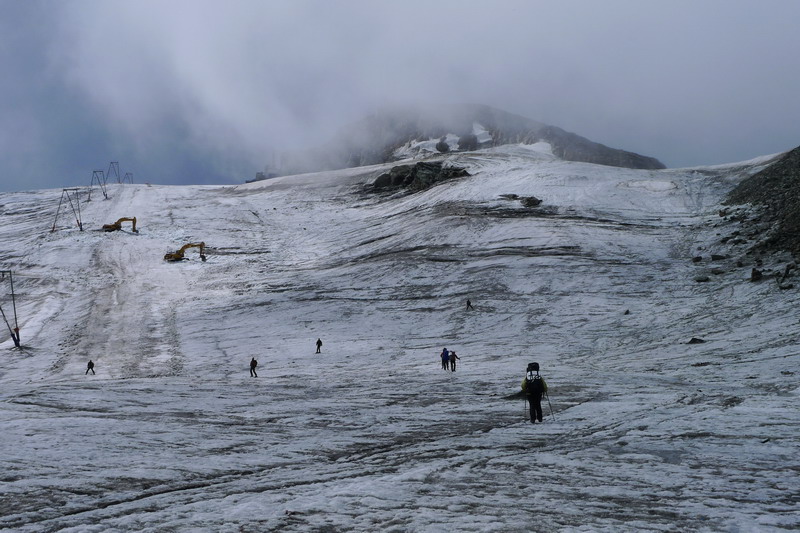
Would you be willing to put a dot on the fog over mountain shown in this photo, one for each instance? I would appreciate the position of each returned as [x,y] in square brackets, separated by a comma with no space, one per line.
[391,135]
[207,92]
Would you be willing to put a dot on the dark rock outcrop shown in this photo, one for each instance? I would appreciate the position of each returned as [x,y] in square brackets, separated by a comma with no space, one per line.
[531,201]
[777,190]
[468,142]
[418,176]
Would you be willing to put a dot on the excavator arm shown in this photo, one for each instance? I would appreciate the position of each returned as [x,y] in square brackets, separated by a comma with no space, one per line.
[178,255]
[116,226]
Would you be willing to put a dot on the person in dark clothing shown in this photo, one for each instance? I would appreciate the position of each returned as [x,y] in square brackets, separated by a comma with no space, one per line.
[253,365]
[445,359]
[89,366]
[534,386]
[319,345]
[469,305]
[453,358]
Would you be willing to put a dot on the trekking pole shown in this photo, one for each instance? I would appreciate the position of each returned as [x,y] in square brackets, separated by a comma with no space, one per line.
[551,405]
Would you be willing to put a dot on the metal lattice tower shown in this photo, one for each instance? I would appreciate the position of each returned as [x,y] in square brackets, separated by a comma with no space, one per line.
[113,167]
[99,177]
[73,199]
[6,274]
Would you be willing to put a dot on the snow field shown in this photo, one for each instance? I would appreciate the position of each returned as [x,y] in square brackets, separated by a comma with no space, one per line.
[650,433]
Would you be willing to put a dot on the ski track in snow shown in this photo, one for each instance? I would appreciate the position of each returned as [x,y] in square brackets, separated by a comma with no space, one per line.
[648,433]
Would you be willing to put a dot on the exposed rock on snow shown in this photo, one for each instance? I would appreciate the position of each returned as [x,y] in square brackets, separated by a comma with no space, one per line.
[418,176]
[777,190]
[531,201]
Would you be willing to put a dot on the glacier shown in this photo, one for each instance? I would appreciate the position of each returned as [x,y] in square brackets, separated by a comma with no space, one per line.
[646,433]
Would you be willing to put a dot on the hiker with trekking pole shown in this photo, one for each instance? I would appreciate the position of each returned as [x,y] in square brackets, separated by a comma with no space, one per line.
[534,387]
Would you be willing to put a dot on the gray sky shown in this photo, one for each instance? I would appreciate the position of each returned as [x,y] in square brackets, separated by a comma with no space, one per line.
[198,91]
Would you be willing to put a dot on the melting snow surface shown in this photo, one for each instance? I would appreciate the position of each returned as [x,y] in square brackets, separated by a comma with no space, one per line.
[646,432]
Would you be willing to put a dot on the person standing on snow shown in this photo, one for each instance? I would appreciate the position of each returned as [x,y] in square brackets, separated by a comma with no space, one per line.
[253,365]
[445,359]
[319,345]
[469,305]
[453,358]
[534,386]
[90,366]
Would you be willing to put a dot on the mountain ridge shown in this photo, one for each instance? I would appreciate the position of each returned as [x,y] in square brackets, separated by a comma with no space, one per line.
[378,137]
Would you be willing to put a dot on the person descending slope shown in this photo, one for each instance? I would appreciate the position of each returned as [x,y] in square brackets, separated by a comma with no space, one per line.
[445,359]
[534,386]
[89,366]
[253,365]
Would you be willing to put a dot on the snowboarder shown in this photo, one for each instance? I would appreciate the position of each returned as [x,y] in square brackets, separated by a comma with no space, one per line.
[319,345]
[453,358]
[445,359]
[253,365]
[469,305]
[534,386]
[89,366]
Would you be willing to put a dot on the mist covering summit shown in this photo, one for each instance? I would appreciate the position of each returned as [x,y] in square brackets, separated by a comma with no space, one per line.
[381,138]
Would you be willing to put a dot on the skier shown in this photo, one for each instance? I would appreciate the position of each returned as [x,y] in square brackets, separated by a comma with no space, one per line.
[469,305]
[445,359]
[534,386]
[319,345]
[253,365]
[453,358]
[90,366]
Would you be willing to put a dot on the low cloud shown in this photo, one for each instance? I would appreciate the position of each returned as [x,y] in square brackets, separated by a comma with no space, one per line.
[204,92]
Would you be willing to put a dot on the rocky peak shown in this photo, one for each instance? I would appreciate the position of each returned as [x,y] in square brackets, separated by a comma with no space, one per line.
[377,138]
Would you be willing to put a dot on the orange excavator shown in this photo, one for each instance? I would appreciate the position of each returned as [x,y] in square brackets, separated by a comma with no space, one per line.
[178,256]
[116,226]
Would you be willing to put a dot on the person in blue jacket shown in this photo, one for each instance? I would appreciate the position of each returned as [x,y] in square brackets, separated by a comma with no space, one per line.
[445,359]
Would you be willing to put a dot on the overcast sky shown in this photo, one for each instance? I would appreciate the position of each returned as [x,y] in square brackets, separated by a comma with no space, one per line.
[196,91]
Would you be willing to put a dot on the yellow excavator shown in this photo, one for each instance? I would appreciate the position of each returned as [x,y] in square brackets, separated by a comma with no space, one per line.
[178,256]
[116,226]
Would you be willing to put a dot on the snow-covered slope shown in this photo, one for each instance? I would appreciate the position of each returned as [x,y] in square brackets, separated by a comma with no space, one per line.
[648,433]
